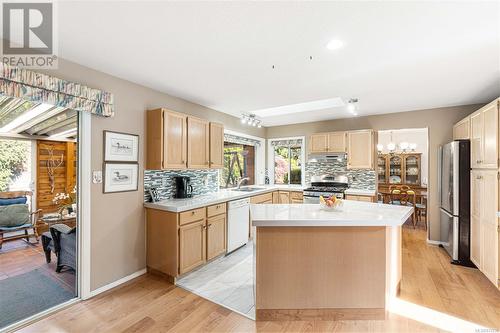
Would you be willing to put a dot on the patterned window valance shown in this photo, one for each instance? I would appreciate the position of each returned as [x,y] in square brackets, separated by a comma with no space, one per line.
[286,142]
[240,140]
[42,88]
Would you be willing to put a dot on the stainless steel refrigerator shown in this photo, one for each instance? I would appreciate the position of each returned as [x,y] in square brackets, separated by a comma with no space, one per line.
[454,193]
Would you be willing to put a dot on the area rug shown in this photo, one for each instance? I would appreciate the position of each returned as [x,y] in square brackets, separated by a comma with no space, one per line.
[26,294]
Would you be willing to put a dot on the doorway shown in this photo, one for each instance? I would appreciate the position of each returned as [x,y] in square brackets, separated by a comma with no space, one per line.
[39,189]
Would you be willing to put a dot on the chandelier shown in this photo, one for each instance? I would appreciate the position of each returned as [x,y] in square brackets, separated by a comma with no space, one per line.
[251,120]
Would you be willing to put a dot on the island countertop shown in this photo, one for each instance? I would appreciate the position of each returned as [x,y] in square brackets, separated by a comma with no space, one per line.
[352,214]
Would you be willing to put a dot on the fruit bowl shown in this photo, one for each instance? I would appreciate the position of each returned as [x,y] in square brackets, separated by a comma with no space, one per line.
[331,204]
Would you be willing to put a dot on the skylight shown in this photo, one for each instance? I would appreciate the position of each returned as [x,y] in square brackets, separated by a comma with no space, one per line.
[26,116]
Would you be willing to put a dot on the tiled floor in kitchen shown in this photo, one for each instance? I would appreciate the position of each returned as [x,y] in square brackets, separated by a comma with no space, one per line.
[228,281]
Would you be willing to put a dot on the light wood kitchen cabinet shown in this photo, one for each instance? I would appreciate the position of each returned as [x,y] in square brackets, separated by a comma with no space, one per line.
[192,250]
[484,137]
[318,143]
[360,149]
[266,198]
[284,197]
[198,143]
[333,142]
[484,223]
[178,141]
[216,236]
[276,197]
[296,197]
[166,140]
[337,142]
[216,145]
[461,130]
[364,198]
[475,217]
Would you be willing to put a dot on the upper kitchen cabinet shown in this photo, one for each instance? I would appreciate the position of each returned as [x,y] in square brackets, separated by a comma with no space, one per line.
[198,143]
[177,141]
[166,140]
[461,130]
[333,142]
[360,149]
[484,137]
[216,145]
[318,143]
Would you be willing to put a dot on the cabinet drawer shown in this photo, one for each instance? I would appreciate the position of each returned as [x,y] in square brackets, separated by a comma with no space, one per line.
[258,199]
[296,196]
[216,209]
[192,215]
[365,198]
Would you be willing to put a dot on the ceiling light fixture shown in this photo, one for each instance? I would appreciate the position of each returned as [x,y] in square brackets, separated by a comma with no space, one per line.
[352,106]
[251,120]
[335,44]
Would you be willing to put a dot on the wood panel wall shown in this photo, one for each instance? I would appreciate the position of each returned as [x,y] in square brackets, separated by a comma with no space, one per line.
[65,174]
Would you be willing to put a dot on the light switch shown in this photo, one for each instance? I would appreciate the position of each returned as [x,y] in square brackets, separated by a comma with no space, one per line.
[97,176]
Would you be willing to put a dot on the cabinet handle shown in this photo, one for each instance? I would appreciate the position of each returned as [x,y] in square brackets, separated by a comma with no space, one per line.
[192,213]
[210,225]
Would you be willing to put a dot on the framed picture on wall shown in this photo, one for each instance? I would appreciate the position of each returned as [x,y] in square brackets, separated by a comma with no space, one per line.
[121,147]
[120,177]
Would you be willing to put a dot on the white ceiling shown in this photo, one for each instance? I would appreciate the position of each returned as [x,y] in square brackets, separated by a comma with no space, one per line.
[397,56]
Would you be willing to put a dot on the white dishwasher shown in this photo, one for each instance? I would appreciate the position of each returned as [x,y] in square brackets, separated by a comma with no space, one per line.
[238,217]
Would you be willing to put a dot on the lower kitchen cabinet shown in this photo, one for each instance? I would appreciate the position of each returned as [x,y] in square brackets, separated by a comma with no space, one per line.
[179,242]
[192,250]
[216,236]
[484,223]
[284,197]
[360,198]
[296,197]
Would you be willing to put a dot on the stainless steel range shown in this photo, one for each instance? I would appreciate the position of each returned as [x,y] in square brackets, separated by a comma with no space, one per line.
[326,186]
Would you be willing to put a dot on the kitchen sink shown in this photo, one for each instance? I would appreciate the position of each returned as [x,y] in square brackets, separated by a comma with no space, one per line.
[248,189]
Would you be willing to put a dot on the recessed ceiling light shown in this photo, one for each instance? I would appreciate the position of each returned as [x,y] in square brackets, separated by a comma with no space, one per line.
[335,44]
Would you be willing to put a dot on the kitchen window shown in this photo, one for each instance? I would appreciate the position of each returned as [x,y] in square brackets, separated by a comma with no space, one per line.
[288,158]
[239,162]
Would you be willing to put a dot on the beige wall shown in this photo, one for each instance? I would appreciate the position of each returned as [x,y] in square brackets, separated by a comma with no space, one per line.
[117,220]
[439,122]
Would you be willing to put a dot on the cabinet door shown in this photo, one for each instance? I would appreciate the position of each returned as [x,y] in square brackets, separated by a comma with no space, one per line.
[192,250]
[336,142]
[198,143]
[461,130]
[412,169]
[395,169]
[360,150]
[382,168]
[318,143]
[216,236]
[284,197]
[216,145]
[276,197]
[489,225]
[475,215]
[476,139]
[174,140]
[490,137]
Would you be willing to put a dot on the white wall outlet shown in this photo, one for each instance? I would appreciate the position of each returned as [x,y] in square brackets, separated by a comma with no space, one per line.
[97,176]
[205,180]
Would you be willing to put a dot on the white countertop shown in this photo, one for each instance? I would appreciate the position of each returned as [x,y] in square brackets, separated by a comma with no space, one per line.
[181,205]
[355,191]
[353,213]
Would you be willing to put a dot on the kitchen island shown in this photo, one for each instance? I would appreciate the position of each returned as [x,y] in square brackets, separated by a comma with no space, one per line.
[315,264]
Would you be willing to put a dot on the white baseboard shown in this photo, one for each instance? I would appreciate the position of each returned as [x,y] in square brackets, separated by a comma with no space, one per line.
[433,242]
[117,283]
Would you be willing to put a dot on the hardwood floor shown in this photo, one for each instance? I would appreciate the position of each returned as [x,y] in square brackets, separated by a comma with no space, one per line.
[437,295]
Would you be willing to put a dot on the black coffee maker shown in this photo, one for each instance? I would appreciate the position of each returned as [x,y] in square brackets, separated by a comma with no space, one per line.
[182,187]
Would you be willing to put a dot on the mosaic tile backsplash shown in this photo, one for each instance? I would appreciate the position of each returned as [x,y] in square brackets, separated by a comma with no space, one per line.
[203,181]
[359,179]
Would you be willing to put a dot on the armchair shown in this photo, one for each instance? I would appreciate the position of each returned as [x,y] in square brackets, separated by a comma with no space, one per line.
[17,215]
[64,245]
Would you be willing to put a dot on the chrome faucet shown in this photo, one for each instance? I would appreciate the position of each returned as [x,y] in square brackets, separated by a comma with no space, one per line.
[243,180]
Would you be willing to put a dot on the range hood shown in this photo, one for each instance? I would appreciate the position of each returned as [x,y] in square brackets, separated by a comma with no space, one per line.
[325,157]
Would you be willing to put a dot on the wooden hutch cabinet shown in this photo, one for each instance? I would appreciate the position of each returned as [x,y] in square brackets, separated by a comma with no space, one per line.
[399,169]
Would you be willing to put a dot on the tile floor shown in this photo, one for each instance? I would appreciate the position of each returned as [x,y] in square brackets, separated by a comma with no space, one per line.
[228,281]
